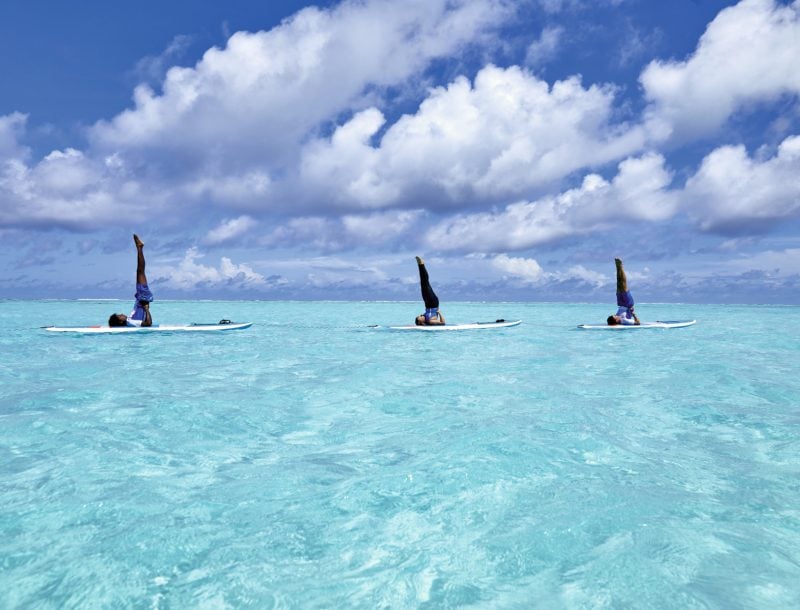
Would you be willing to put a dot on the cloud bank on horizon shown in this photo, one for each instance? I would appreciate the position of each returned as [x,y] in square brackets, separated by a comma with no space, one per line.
[322,152]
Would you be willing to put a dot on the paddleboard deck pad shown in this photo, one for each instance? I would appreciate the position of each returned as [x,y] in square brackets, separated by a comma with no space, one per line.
[643,325]
[470,326]
[172,328]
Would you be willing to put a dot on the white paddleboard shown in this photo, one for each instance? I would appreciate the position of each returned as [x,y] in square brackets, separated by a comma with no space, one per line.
[148,329]
[471,326]
[664,324]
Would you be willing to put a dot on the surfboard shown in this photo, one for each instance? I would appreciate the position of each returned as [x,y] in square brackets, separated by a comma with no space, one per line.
[469,326]
[643,325]
[172,328]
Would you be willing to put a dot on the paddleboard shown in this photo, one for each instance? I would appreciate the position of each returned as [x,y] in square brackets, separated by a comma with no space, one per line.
[172,328]
[471,326]
[643,325]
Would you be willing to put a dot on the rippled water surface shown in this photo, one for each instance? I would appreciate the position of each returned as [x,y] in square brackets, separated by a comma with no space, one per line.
[311,462]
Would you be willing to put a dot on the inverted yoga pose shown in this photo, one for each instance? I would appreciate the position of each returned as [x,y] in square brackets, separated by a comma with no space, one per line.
[432,315]
[625,314]
[140,316]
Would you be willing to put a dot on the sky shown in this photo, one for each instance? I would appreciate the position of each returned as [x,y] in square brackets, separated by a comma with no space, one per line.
[294,150]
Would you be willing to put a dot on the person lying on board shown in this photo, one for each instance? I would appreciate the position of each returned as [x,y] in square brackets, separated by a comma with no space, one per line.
[432,315]
[625,314]
[140,316]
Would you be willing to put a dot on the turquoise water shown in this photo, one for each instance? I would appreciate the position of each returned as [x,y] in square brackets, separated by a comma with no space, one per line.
[309,462]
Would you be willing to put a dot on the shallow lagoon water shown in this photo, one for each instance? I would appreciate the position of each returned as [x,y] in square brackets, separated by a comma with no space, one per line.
[311,462]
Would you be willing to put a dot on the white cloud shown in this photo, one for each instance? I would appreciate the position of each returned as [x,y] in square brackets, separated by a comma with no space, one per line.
[749,53]
[581,274]
[228,230]
[69,189]
[638,192]
[154,67]
[350,230]
[544,48]
[12,127]
[733,192]
[257,98]
[380,227]
[242,130]
[348,162]
[225,130]
[526,269]
[497,139]
[65,174]
[234,189]
[307,232]
[189,274]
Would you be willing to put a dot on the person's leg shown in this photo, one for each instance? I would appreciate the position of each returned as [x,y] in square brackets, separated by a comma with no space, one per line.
[622,281]
[141,278]
[141,307]
[624,297]
[428,295]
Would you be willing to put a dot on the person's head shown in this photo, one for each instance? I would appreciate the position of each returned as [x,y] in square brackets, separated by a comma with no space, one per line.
[420,320]
[613,320]
[117,319]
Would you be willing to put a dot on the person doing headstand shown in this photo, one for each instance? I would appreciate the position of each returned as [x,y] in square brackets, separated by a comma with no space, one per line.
[140,316]
[625,314]
[432,315]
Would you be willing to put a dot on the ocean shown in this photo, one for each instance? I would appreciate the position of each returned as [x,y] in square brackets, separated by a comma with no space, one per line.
[313,462]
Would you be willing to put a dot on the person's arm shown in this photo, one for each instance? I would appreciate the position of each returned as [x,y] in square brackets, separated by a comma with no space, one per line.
[438,321]
[148,320]
[635,319]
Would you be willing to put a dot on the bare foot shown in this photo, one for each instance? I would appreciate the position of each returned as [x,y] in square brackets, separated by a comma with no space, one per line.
[618,261]
[419,260]
[139,243]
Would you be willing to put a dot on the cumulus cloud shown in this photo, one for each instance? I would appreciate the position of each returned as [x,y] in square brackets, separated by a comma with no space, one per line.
[730,193]
[228,230]
[190,274]
[256,99]
[639,191]
[225,130]
[526,269]
[294,129]
[508,133]
[69,189]
[747,54]
[529,272]
[734,193]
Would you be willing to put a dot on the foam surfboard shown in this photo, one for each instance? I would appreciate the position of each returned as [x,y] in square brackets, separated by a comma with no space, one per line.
[643,325]
[194,328]
[470,326]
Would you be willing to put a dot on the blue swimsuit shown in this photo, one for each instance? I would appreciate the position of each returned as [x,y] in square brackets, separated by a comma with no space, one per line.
[138,314]
[625,306]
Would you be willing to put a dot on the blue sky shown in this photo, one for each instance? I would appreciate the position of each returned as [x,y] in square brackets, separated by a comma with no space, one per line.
[294,150]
